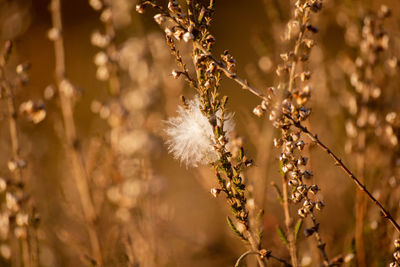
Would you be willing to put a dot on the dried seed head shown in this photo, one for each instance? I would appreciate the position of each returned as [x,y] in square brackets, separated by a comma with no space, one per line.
[106,15]
[3,185]
[187,37]
[300,145]
[99,40]
[258,111]
[302,161]
[278,142]
[96,4]
[100,58]
[396,255]
[320,205]
[176,74]
[391,117]
[307,174]
[102,73]
[302,212]
[21,219]
[53,34]
[314,189]
[396,243]
[140,8]
[293,182]
[159,19]
[215,192]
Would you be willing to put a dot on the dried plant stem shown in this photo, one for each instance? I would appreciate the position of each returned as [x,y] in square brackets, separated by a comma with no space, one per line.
[321,245]
[296,50]
[244,255]
[255,246]
[339,163]
[289,223]
[113,81]
[245,85]
[360,207]
[73,150]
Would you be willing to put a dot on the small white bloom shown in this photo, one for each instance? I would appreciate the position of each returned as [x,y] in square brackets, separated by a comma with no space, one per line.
[191,136]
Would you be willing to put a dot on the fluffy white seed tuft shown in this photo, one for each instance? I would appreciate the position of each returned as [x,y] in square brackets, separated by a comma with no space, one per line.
[191,136]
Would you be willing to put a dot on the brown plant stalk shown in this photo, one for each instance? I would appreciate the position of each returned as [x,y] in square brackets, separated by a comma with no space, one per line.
[73,149]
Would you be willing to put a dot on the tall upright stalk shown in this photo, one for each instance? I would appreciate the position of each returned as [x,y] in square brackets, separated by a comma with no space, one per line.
[73,149]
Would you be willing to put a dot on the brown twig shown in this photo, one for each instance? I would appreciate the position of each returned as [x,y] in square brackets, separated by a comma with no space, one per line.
[73,150]
[339,163]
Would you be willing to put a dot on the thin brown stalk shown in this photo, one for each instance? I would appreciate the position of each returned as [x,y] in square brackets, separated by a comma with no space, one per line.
[73,149]
[357,181]
[113,81]
[360,207]
[321,245]
[296,50]
[289,222]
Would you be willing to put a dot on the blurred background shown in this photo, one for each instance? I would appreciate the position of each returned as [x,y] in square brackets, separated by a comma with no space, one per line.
[151,209]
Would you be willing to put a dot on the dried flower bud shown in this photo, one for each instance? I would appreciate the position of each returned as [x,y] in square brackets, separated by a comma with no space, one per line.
[178,34]
[168,32]
[300,145]
[215,192]
[99,40]
[67,88]
[159,19]
[106,15]
[302,161]
[278,142]
[384,11]
[140,8]
[22,219]
[308,232]
[100,58]
[210,39]
[302,212]
[396,255]
[53,34]
[11,202]
[320,205]
[396,243]
[309,43]
[307,174]
[176,74]
[258,111]
[187,37]
[102,73]
[304,76]
[3,185]
[314,189]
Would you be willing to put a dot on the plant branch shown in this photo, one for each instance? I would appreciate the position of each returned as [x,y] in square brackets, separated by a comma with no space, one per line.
[73,149]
